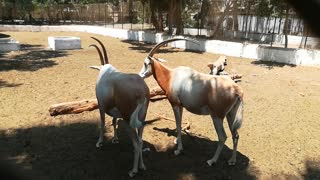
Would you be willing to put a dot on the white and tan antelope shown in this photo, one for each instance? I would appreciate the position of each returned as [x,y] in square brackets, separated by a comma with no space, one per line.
[125,96]
[202,94]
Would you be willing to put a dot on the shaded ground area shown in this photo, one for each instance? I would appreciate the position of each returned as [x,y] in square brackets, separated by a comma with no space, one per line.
[279,138]
[4,35]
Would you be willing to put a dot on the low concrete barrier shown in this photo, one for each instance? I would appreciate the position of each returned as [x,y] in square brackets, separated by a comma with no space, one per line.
[236,49]
[8,44]
[64,42]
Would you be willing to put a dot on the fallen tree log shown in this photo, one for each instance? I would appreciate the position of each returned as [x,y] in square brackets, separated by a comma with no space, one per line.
[76,107]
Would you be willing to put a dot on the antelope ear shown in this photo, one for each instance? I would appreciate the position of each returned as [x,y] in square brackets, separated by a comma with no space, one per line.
[95,67]
[210,65]
[161,60]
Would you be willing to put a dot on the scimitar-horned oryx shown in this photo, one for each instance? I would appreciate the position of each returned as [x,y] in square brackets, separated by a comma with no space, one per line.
[202,94]
[125,96]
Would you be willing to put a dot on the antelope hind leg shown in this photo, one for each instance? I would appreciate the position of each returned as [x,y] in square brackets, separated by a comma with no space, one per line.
[218,125]
[115,139]
[102,128]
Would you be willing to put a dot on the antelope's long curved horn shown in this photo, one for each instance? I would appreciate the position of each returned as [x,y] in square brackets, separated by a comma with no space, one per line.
[159,45]
[106,59]
[99,52]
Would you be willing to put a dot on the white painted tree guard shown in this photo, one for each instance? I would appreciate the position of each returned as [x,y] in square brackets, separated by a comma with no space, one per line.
[8,44]
[64,42]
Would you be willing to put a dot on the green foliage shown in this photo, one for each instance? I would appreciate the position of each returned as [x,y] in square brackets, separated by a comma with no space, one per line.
[268,8]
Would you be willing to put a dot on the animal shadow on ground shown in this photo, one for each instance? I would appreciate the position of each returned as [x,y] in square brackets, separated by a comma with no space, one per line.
[4,35]
[4,84]
[270,65]
[67,151]
[146,47]
[30,58]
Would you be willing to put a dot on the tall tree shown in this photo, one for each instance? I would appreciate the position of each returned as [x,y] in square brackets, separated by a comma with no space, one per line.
[228,6]
[157,8]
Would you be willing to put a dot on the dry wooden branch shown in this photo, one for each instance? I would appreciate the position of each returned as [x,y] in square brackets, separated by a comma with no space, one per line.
[156,91]
[185,128]
[73,107]
[235,76]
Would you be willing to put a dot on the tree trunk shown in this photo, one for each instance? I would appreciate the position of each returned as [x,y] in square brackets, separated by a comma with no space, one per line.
[247,18]
[170,17]
[130,11]
[155,21]
[235,18]
[221,18]
[203,12]
[178,18]
[286,27]
[155,18]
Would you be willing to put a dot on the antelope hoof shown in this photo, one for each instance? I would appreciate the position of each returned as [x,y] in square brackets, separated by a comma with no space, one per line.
[132,173]
[177,152]
[210,162]
[142,167]
[115,141]
[146,149]
[232,162]
[99,144]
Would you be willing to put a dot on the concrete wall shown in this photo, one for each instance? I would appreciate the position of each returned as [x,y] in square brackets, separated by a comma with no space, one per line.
[236,49]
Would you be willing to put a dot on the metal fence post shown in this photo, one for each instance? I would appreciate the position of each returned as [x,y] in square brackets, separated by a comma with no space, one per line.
[305,42]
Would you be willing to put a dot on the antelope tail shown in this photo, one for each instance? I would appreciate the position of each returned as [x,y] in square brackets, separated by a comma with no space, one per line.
[134,119]
[239,114]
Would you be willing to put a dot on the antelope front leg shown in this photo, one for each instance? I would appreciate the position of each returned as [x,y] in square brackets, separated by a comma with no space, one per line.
[115,139]
[102,128]
[177,110]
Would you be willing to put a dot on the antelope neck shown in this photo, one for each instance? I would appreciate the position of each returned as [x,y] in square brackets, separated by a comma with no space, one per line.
[162,75]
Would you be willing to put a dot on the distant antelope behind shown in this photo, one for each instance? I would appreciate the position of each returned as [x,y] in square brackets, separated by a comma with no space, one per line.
[202,94]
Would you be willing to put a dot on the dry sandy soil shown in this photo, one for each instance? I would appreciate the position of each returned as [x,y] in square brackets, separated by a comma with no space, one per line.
[279,139]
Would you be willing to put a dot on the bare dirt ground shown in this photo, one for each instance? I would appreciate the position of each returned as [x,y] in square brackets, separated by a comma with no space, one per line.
[279,138]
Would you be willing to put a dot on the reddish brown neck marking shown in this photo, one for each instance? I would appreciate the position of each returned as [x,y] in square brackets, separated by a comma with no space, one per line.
[162,75]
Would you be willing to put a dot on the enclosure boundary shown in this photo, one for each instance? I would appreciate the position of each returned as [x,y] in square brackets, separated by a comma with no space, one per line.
[293,56]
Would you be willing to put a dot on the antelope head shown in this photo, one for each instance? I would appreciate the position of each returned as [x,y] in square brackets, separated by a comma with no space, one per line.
[146,69]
